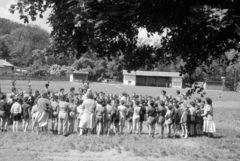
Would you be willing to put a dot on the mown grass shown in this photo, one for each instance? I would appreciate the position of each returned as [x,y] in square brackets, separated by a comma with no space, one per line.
[224,146]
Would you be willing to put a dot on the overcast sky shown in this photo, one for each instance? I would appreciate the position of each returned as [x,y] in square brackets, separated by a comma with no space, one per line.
[4,13]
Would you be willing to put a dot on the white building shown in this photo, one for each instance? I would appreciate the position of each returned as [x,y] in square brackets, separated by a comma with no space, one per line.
[5,67]
[152,78]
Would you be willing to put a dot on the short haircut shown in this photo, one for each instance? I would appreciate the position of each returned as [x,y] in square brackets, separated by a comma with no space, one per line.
[137,102]
[90,95]
[61,89]
[162,103]
[100,101]
[25,99]
[209,101]
[192,103]
[152,103]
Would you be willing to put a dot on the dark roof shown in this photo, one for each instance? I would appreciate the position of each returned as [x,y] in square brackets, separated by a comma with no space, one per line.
[152,73]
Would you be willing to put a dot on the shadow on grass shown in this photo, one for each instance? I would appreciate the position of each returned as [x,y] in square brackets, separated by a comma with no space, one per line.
[218,137]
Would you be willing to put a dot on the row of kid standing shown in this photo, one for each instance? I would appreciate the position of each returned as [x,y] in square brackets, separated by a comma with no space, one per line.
[88,112]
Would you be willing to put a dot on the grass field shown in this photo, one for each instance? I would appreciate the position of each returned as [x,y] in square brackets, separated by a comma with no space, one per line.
[223,147]
[116,89]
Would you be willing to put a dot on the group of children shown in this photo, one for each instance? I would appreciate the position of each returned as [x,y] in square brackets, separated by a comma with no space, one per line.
[111,113]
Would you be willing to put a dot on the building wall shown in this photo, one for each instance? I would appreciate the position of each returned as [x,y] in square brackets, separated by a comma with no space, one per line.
[177,82]
[7,69]
[129,80]
[78,77]
[1,70]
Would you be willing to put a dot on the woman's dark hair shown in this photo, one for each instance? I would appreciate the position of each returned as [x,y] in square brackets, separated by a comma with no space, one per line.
[163,91]
[61,89]
[209,101]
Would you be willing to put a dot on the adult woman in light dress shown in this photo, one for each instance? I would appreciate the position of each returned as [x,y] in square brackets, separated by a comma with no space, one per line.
[208,125]
[42,114]
[88,117]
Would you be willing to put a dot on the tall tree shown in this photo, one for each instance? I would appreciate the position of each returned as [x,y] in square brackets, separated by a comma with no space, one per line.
[199,32]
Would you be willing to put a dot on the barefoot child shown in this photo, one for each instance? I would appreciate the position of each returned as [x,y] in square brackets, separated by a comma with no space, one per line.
[26,114]
[129,117]
[16,111]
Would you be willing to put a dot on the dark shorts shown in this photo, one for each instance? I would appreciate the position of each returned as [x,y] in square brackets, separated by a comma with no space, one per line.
[130,119]
[161,120]
[99,120]
[26,116]
[2,114]
[16,117]
[151,120]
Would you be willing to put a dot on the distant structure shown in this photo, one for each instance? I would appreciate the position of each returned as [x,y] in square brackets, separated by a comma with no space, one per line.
[78,76]
[152,78]
[5,67]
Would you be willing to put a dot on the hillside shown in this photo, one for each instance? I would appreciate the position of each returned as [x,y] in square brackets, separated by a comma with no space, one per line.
[18,41]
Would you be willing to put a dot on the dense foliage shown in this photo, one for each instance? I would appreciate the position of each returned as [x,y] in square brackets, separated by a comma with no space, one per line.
[199,32]
[17,42]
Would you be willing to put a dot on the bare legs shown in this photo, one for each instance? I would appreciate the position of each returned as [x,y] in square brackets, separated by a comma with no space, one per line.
[25,124]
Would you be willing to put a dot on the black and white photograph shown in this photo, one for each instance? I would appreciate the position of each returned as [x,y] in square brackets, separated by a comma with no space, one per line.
[119,80]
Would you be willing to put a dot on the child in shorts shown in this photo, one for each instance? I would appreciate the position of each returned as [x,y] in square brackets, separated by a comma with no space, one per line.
[25,114]
[16,111]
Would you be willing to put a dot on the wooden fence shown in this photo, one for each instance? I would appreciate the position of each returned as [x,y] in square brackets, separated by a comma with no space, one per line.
[36,78]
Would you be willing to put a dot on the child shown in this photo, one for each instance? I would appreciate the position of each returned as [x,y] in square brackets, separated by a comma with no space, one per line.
[129,117]
[72,114]
[122,110]
[142,114]
[33,112]
[199,121]
[161,111]
[151,113]
[115,118]
[177,119]
[136,117]
[184,119]
[100,115]
[25,113]
[168,118]
[80,112]
[55,111]
[192,113]
[16,111]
